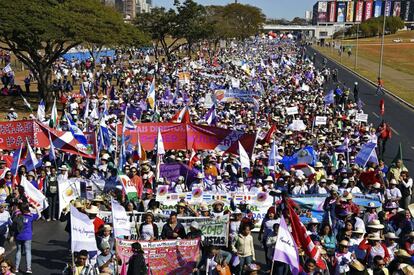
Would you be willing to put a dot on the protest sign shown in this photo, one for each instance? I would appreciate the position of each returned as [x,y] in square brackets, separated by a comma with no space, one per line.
[208,101]
[82,231]
[176,257]
[305,88]
[184,78]
[297,125]
[361,117]
[292,110]
[69,190]
[215,230]
[320,120]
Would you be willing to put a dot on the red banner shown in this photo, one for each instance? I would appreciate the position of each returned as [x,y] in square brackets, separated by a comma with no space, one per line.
[332,11]
[368,9]
[359,11]
[181,136]
[170,257]
[14,133]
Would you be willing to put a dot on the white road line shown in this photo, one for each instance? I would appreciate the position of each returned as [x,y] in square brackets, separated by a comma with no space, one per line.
[377,116]
[395,132]
[412,147]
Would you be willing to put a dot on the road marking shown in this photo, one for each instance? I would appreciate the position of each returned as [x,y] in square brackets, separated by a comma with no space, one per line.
[412,147]
[395,132]
[377,116]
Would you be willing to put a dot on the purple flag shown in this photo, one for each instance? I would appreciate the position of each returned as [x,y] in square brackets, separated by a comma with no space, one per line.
[285,248]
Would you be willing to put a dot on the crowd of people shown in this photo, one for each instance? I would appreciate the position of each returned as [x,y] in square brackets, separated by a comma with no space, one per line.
[350,238]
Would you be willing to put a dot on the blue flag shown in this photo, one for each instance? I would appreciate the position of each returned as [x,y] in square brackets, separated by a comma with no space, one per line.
[306,155]
[365,154]
[31,162]
[76,132]
[52,155]
[288,161]
[16,160]
[329,98]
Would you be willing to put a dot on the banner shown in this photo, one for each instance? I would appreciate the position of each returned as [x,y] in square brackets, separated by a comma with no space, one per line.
[292,110]
[172,171]
[320,120]
[341,12]
[184,78]
[332,11]
[378,8]
[236,95]
[359,9]
[121,223]
[387,8]
[350,12]
[68,190]
[183,135]
[368,9]
[322,11]
[397,9]
[407,11]
[171,257]
[361,117]
[128,186]
[34,196]
[82,231]
[215,230]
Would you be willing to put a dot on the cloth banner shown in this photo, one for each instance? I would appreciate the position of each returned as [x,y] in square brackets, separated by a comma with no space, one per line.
[179,136]
[120,219]
[82,231]
[236,95]
[34,196]
[171,257]
[69,190]
[172,171]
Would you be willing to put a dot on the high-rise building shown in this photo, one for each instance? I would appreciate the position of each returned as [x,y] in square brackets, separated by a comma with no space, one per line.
[130,8]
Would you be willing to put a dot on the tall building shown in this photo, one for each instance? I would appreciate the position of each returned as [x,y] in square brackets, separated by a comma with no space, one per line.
[130,8]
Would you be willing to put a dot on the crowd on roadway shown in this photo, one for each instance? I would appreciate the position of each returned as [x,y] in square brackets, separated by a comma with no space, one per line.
[376,238]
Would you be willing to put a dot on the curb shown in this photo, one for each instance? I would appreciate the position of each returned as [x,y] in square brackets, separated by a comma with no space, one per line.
[389,93]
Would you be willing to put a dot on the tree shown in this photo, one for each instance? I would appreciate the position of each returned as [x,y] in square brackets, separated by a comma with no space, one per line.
[192,23]
[161,25]
[38,32]
[244,20]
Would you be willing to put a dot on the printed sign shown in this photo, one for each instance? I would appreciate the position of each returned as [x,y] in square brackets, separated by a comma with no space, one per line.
[362,117]
[320,120]
[292,110]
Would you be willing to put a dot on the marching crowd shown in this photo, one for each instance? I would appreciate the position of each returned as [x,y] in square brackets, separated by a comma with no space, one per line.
[349,239]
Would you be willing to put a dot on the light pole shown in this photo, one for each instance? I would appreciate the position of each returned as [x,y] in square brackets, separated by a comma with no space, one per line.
[382,48]
[356,50]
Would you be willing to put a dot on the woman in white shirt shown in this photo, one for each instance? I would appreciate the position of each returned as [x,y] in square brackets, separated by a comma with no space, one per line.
[148,230]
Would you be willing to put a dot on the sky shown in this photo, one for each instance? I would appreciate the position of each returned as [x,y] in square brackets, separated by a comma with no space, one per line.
[287,9]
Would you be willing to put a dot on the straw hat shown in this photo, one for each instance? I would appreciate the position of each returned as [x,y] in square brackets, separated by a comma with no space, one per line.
[92,210]
[410,235]
[407,269]
[376,224]
[269,178]
[358,230]
[313,221]
[370,205]
[374,237]
[357,265]
[200,176]
[344,243]
[348,197]
[78,204]
[181,204]
[391,235]
[218,202]
[319,165]
[402,253]
[107,227]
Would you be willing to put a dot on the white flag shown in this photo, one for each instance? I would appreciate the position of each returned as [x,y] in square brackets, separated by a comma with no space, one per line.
[244,157]
[160,144]
[82,231]
[41,111]
[122,225]
[68,190]
[285,248]
[34,195]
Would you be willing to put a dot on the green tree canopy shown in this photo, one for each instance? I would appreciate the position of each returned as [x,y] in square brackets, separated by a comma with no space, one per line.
[38,32]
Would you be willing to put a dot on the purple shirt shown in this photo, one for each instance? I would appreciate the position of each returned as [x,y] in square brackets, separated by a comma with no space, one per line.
[27,232]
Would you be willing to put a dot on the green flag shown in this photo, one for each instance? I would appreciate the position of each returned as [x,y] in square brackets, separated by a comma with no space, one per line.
[398,155]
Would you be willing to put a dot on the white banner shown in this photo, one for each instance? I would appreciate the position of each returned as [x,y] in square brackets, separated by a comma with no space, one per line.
[34,195]
[68,190]
[362,117]
[122,225]
[82,231]
[292,110]
[320,120]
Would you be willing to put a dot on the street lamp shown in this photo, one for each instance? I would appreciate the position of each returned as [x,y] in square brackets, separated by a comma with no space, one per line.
[382,48]
[356,50]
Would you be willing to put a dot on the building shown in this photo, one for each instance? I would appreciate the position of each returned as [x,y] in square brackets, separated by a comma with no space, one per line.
[130,8]
[355,11]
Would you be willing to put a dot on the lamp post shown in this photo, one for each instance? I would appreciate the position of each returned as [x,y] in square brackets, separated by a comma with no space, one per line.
[382,48]
[356,50]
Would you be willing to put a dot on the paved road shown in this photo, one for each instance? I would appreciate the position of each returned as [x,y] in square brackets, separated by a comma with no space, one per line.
[397,114]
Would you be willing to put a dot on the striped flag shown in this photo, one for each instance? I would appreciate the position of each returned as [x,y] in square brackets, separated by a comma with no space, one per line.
[210,117]
[52,155]
[41,111]
[244,157]
[31,162]
[53,116]
[16,160]
[181,116]
[76,132]
[151,94]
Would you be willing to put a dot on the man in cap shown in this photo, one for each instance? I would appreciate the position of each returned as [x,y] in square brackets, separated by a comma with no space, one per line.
[392,193]
[219,186]
[180,186]
[107,260]
[82,267]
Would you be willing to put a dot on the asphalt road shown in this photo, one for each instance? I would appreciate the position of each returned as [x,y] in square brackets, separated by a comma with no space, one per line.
[398,115]
[51,252]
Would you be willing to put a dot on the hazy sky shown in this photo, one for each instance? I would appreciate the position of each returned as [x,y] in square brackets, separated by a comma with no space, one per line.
[271,8]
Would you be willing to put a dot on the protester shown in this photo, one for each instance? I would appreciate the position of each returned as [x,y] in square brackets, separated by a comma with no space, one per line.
[136,264]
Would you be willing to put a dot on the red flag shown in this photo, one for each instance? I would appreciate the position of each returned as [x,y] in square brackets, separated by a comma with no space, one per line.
[382,107]
[181,116]
[193,157]
[269,135]
[302,238]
